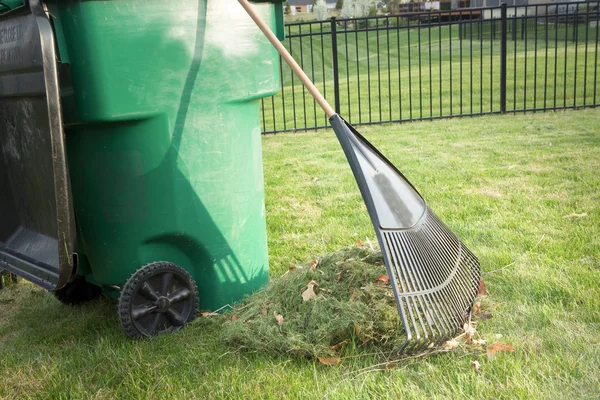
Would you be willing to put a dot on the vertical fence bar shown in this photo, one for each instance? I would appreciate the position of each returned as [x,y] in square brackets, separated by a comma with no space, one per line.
[596,50]
[524,36]
[515,46]
[503,58]
[555,52]
[366,21]
[471,57]
[420,72]
[460,43]
[262,107]
[410,114]
[546,61]
[282,93]
[535,58]
[450,59]
[440,61]
[378,68]
[357,72]
[492,37]
[585,61]
[324,74]
[576,41]
[389,67]
[566,58]
[399,69]
[430,74]
[334,54]
[347,70]
[312,67]
[292,80]
[480,65]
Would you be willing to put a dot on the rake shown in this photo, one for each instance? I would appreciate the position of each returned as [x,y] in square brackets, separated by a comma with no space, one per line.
[433,275]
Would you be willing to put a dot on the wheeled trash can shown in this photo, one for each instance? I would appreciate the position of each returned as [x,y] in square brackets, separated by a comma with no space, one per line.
[131,152]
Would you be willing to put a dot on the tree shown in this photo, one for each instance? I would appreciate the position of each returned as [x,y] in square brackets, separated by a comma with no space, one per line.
[339,4]
[288,9]
[357,8]
[320,10]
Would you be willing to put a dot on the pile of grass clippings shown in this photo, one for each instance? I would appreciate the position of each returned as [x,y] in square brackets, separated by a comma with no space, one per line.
[352,305]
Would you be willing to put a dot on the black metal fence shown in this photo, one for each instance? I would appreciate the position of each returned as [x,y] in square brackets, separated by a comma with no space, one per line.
[436,64]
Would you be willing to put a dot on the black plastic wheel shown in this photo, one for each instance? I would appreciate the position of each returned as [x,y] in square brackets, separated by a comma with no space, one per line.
[159,297]
[77,291]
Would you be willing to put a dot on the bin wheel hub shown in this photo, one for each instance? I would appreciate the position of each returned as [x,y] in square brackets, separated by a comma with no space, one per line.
[163,304]
[158,297]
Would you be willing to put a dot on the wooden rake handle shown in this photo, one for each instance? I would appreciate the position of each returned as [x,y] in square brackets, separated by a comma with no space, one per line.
[288,58]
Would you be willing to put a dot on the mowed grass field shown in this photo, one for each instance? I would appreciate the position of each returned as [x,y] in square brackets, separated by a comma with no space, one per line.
[522,191]
[413,72]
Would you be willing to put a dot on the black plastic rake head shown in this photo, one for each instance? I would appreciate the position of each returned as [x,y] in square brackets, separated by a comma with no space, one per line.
[433,275]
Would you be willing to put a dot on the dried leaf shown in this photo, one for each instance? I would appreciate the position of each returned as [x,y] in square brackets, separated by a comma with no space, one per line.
[313,265]
[469,329]
[309,293]
[329,361]
[575,215]
[390,365]
[339,345]
[383,278]
[359,243]
[475,365]
[235,317]
[315,179]
[450,344]
[476,308]
[292,268]
[278,318]
[482,290]
[498,346]
[339,276]
[479,342]
[208,314]
[264,311]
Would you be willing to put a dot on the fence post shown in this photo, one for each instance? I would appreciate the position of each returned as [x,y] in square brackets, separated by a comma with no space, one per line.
[336,77]
[503,59]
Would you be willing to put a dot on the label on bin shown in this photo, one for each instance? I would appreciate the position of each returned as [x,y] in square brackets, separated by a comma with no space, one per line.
[19,44]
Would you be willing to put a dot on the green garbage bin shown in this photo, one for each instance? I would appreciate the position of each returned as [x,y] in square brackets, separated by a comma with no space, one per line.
[158,201]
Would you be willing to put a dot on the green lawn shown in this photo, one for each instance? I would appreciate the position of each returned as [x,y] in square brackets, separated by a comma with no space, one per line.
[403,74]
[504,184]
